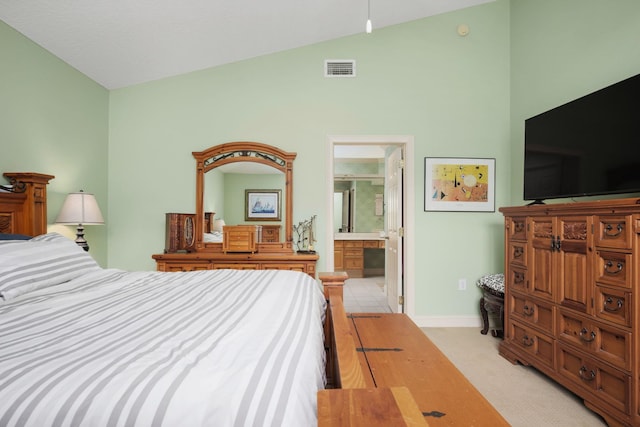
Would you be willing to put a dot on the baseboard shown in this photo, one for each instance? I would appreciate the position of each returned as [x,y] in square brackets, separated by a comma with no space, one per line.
[448,321]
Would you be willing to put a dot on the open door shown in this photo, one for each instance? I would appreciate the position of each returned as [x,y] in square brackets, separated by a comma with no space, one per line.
[394,230]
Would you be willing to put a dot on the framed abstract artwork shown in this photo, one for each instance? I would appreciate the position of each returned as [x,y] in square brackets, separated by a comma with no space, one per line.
[459,184]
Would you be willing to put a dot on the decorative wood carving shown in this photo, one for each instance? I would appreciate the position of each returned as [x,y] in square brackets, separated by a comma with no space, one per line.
[24,210]
[575,231]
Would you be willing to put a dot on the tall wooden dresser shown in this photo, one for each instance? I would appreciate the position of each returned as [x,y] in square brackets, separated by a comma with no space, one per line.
[571,299]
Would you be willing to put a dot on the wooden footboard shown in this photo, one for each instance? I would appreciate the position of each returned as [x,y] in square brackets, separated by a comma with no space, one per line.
[342,359]
[346,369]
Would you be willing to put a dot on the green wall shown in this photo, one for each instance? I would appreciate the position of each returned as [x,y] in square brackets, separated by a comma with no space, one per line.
[562,50]
[457,96]
[54,120]
[421,78]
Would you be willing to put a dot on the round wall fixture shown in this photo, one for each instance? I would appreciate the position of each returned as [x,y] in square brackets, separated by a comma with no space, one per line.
[463,29]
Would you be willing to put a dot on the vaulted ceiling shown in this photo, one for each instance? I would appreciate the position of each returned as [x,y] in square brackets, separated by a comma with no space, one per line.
[119,43]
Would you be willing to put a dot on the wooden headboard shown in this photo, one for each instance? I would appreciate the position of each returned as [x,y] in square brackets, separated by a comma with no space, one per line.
[23,208]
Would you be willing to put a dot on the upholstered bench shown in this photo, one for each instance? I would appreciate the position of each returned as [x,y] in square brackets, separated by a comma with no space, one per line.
[492,301]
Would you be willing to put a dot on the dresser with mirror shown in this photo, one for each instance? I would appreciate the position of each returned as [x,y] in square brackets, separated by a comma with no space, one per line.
[274,249]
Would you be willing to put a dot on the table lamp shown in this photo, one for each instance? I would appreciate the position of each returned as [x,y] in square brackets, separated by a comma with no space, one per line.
[82,209]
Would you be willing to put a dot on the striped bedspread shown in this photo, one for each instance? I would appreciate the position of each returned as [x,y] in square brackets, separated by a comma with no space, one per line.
[206,348]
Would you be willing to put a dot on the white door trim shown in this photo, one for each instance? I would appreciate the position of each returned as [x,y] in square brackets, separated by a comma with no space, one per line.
[409,205]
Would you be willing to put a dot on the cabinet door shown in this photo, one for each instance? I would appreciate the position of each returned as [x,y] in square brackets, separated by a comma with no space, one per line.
[338,259]
[541,257]
[574,246]
[338,255]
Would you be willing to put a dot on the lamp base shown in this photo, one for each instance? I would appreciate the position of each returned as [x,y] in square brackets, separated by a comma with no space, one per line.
[80,240]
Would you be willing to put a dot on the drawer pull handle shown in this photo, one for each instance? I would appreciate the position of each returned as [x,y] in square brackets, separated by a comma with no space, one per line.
[584,337]
[518,251]
[609,270]
[527,311]
[612,309]
[526,341]
[583,371]
[608,228]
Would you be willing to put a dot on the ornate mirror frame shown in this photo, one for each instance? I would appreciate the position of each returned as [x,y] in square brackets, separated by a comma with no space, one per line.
[234,152]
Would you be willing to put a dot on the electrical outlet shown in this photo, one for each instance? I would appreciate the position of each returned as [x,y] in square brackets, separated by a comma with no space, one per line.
[462,284]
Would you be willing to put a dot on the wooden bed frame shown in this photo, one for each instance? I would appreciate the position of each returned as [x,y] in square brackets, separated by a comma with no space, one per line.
[404,381]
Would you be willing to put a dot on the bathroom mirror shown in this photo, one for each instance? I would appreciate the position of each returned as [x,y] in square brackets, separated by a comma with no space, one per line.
[358,188]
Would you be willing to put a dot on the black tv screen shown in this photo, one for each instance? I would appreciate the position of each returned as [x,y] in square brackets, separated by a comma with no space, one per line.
[589,146]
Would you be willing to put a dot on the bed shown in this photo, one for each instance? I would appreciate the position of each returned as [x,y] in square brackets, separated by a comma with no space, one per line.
[87,346]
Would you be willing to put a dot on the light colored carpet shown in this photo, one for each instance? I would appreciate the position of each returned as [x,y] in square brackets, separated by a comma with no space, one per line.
[525,397]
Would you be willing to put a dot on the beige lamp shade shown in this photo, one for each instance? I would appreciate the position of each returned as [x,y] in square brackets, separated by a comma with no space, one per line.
[80,208]
[218,224]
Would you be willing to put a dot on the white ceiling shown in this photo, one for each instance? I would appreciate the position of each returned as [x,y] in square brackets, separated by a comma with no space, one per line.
[119,43]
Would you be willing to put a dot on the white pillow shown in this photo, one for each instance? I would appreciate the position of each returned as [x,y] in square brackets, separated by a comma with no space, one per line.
[46,260]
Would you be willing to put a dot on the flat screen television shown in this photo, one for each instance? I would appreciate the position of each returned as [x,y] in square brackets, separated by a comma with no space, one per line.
[589,146]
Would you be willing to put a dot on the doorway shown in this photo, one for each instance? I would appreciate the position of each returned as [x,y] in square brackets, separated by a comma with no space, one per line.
[397,226]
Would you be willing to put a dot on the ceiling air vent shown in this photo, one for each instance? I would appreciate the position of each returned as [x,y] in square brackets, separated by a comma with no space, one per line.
[339,68]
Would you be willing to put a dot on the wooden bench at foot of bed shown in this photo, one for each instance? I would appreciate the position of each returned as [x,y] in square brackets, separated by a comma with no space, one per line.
[368,407]
[386,351]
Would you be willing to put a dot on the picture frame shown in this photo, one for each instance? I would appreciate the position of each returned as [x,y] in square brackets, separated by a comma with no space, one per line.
[262,205]
[459,184]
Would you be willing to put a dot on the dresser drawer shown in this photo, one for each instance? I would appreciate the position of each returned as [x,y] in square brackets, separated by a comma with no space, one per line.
[235,266]
[614,268]
[354,252]
[517,228]
[518,253]
[284,266]
[614,231]
[185,266]
[599,379]
[535,343]
[517,279]
[535,314]
[614,305]
[353,244]
[602,341]
[371,244]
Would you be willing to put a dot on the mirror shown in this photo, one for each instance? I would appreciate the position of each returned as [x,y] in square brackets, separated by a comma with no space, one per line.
[358,189]
[225,193]
[267,166]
